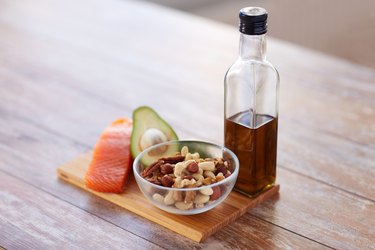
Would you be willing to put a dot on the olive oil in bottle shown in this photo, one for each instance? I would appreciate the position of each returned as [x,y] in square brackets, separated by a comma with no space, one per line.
[255,149]
[251,106]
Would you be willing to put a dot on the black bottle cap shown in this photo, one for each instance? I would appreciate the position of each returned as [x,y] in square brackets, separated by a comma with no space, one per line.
[253,21]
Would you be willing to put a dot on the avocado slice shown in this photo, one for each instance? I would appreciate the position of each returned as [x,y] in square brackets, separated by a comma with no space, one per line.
[150,129]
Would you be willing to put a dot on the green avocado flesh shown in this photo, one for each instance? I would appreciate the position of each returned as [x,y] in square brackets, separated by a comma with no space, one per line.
[150,129]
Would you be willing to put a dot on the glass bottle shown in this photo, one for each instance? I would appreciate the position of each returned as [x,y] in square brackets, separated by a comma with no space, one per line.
[251,106]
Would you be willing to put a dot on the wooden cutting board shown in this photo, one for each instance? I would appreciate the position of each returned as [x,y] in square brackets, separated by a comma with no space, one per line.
[196,227]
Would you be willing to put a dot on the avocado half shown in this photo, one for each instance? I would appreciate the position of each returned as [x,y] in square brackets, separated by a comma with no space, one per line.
[150,129]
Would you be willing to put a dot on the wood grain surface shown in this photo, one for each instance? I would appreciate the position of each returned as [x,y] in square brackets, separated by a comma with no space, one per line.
[30,211]
[69,68]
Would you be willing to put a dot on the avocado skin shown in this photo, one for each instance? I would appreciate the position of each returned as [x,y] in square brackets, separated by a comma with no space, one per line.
[144,118]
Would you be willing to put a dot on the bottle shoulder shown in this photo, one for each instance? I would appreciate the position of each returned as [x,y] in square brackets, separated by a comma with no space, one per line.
[246,68]
[240,63]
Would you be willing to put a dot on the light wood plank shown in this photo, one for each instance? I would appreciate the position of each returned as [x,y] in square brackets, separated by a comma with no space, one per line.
[21,155]
[13,237]
[309,75]
[51,223]
[327,158]
[340,220]
[320,93]
[42,150]
[291,206]
[58,51]
[330,159]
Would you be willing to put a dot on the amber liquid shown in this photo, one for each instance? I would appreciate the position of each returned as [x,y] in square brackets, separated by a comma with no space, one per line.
[255,148]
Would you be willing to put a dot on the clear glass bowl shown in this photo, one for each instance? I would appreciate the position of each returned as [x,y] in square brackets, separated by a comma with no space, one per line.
[175,202]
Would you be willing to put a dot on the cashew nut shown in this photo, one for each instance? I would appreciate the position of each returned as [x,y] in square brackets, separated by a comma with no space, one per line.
[184,150]
[168,199]
[199,179]
[201,199]
[184,206]
[207,165]
[206,191]
[195,156]
[188,156]
[177,182]
[158,198]
[199,205]
[178,169]
[207,173]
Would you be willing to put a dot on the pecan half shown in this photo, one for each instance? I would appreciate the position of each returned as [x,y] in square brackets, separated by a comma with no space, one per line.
[154,180]
[173,159]
[152,168]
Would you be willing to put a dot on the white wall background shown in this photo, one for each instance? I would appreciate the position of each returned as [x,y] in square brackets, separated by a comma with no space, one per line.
[344,28]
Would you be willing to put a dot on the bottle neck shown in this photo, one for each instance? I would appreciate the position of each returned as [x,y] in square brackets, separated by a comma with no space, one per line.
[253,47]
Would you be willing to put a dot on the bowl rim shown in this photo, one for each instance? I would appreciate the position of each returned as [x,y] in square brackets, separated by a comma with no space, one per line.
[229,179]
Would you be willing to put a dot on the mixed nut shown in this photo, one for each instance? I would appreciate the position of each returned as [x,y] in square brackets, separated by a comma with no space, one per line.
[187,170]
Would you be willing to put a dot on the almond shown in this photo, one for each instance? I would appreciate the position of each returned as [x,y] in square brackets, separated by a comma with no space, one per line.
[216,193]
[166,168]
[192,167]
[167,181]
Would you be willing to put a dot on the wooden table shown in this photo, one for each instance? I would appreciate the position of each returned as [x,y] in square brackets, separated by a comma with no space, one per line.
[68,68]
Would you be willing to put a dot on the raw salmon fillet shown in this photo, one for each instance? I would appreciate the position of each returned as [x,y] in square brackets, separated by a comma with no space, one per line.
[111,161]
